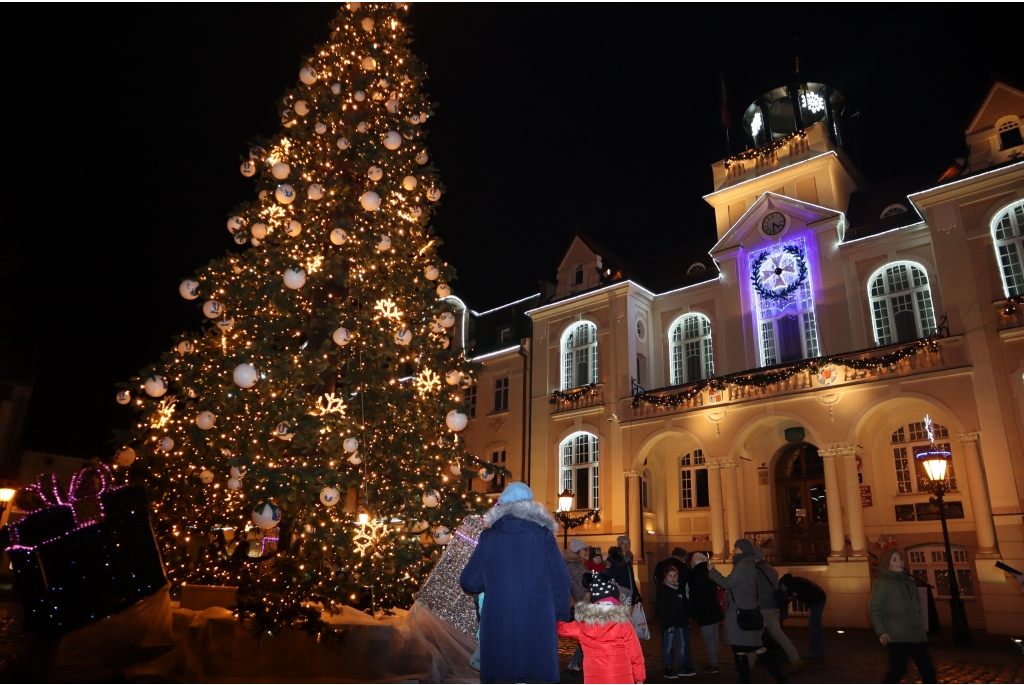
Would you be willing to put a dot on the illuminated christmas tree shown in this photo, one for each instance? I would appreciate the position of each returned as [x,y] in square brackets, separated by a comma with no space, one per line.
[321,402]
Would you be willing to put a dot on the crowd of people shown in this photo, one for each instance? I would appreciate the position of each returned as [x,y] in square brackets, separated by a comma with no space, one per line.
[536,593]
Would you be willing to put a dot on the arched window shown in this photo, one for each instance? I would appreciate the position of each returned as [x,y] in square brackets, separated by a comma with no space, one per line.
[893,209]
[909,441]
[1008,231]
[579,355]
[1009,133]
[579,469]
[692,358]
[901,303]
[695,267]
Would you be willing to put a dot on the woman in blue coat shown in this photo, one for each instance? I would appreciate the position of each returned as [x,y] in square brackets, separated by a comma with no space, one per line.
[518,565]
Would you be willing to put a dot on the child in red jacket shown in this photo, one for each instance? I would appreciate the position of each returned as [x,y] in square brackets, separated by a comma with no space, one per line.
[611,650]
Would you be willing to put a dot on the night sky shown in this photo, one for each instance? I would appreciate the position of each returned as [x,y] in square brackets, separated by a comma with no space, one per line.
[124,127]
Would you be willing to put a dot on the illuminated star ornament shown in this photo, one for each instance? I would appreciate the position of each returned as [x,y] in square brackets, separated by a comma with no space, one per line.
[427,382]
[368,535]
[330,403]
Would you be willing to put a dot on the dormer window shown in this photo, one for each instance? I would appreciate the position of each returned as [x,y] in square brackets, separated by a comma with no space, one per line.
[1009,133]
[578,277]
[695,267]
[893,209]
[505,335]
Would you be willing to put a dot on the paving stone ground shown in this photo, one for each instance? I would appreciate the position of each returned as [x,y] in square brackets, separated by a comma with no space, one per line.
[854,656]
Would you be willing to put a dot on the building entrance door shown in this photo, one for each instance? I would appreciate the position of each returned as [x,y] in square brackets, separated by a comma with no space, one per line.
[803,516]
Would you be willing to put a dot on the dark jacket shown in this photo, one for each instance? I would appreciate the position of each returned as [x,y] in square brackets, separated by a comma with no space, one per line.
[704,606]
[767,582]
[622,572]
[740,593]
[574,565]
[802,589]
[673,611]
[518,565]
[894,607]
[662,568]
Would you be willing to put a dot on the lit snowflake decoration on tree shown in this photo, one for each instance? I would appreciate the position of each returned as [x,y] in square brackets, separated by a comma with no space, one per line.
[778,273]
[387,309]
[330,404]
[427,382]
[368,535]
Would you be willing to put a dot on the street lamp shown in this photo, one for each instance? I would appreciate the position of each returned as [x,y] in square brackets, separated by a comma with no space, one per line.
[567,520]
[6,495]
[936,462]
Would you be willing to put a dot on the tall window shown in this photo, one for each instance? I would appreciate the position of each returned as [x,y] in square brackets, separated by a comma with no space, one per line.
[579,355]
[692,358]
[693,480]
[501,394]
[1008,231]
[901,303]
[645,491]
[498,459]
[579,469]
[928,563]
[469,398]
[578,275]
[786,326]
[909,441]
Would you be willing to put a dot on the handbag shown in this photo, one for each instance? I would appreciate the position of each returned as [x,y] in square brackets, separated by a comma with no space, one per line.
[749,619]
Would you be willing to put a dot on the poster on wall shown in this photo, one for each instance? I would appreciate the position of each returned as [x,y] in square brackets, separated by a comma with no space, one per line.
[905,512]
[865,496]
[926,511]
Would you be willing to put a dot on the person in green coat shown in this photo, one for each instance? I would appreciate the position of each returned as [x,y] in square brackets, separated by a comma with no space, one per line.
[896,618]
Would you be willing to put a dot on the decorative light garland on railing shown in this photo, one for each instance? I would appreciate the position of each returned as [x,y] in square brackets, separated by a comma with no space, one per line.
[573,394]
[766,150]
[569,520]
[766,378]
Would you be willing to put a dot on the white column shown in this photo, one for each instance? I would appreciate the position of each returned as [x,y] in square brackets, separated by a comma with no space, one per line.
[833,503]
[854,509]
[634,514]
[984,527]
[732,502]
[715,498]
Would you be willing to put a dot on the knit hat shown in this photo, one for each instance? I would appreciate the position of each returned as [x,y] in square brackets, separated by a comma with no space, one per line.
[758,553]
[622,538]
[679,552]
[745,546]
[887,557]
[516,492]
[602,586]
[699,558]
[576,545]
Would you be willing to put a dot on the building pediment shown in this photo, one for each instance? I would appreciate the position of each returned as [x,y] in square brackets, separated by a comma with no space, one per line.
[1002,100]
[762,225]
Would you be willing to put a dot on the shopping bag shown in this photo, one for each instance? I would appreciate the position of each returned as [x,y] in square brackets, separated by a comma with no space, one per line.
[640,623]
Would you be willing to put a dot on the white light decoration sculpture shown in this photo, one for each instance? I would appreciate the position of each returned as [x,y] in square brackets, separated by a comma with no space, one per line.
[812,102]
[756,124]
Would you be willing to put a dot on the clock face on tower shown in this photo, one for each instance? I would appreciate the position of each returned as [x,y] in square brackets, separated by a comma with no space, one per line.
[773,223]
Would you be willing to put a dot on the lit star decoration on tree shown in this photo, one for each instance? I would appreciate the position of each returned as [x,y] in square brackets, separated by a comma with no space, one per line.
[297,393]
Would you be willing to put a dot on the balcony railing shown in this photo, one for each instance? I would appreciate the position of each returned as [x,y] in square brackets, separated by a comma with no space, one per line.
[591,395]
[790,547]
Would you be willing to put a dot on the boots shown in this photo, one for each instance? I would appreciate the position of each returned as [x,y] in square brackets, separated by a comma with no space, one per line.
[773,667]
[742,668]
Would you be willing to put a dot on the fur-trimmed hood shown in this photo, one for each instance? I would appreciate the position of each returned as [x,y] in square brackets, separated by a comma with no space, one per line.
[527,510]
[605,612]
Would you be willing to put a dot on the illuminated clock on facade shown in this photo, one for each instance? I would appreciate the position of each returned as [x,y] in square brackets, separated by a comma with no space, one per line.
[773,224]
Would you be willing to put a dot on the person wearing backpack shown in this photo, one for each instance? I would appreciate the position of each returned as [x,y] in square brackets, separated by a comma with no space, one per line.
[743,621]
[768,602]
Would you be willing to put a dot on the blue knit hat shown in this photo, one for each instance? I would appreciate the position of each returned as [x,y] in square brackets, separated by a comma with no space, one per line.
[516,492]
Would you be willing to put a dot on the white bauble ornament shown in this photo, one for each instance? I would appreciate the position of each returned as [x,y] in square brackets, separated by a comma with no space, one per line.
[436,327]
[375,173]
[445,342]
[284,431]
[185,347]
[350,444]
[320,128]
[241,238]
[355,459]
[225,452]
[336,88]
[191,393]
[422,158]
[431,272]
[341,336]
[419,526]
[237,471]
[453,377]
[384,83]
[212,309]
[235,269]
[442,535]
[294,278]
[307,75]
[431,499]
[370,201]
[287,116]
[263,195]
[206,476]
[367,24]
[257,153]
[189,289]
[393,105]
[384,243]
[447,319]
[245,375]
[329,496]
[343,143]
[409,183]
[293,228]
[486,476]
[258,230]
[234,483]
[124,397]
[414,119]
[285,194]
[360,95]
[166,444]
[338,236]
[369,63]
[266,516]
[416,212]
[455,469]
[226,324]
[403,337]
[155,386]
[444,290]
[315,191]
[456,420]
[235,224]
[248,169]
[392,140]
[206,420]
[362,127]
[280,171]
[434,194]
[124,457]
[301,108]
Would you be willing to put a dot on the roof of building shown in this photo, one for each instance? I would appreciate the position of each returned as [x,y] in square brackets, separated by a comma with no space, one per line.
[500,328]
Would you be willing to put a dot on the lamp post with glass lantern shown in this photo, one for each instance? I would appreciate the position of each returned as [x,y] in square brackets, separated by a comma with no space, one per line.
[936,463]
[6,495]
[566,519]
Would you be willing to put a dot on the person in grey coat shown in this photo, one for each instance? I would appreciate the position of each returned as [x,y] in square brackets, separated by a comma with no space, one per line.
[767,583]
[742,593]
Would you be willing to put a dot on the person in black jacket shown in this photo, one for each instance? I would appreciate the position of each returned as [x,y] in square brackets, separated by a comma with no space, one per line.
[622,572]
[705,608]
[678,561]
[674,615]
[813,597]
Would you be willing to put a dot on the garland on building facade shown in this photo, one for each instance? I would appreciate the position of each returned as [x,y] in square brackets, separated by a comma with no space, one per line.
[766,150]
[573,394]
